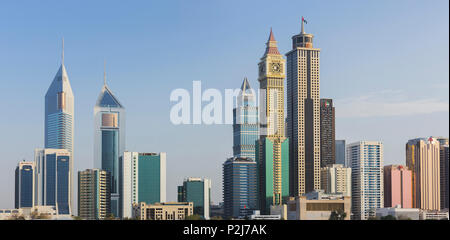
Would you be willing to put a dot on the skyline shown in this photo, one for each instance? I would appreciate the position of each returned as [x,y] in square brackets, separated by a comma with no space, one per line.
[151,70]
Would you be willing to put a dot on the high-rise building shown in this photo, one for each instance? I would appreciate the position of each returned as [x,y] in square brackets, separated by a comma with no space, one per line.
[94,194]
[59,116]
[198,191]
[366,159]
[109,139]
[272,148]
[340,152]
[54,179]
[327,133]
[422,158]
[25,195]
[336,178]
[303,113]
[143,179]
[240,195]
[397,186]
[245,123]
[445,184]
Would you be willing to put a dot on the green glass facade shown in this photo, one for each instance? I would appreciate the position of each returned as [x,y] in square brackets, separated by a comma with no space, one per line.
[149,180]
[266,186]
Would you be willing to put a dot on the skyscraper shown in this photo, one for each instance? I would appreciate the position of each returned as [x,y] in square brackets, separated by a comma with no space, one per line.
[143,180]
[303,113]
[198,191]
[422,158]
[94,194]
[336,178]
[327,133]
[59,116]
[25,195]
[245,123]
[239,187]
[272,148]
[445,184]
[109,139]
[366,159]
[54,179]
[397,186]
[340,152]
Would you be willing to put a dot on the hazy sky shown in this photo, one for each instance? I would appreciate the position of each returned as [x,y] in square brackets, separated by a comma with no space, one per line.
[385,63]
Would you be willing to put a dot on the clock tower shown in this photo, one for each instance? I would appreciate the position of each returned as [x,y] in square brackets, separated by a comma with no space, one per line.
[272,148]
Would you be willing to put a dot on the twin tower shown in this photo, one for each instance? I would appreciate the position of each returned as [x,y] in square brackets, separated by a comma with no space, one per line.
[288,150]
[109,143]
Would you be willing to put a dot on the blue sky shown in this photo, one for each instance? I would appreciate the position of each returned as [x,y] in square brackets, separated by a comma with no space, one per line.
[385,63]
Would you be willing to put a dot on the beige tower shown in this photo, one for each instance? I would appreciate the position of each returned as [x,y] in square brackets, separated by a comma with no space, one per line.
[303,114]
[273,147]
[423,158]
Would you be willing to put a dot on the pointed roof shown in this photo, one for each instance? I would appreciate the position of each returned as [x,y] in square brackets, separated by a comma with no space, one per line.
[107,99]
[245,85]
[271,45]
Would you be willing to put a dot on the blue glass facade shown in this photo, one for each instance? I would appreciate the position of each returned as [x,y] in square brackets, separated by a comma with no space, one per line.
[245,123]
[149,180]
[239,187]
[24,185]
[63,167]
[110,156]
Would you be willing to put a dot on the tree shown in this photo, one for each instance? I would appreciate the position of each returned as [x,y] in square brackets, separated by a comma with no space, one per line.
[77,218]
[194,217]
[339,214]
[17,217]
[216,218]
[109,216]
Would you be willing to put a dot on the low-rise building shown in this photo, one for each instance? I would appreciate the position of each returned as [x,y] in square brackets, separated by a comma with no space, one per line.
[318,205]
[399,213]
[257,216]
[28,213]
[163,211]
[433,215]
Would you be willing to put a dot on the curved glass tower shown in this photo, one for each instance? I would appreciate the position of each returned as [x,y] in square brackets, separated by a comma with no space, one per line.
[109,139]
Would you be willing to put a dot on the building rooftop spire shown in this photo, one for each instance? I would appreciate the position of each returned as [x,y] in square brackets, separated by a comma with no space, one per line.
[271,45]
[245,85]
[104,72]
[62,54]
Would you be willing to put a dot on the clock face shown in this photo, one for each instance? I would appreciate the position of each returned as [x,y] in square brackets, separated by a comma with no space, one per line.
[276,67]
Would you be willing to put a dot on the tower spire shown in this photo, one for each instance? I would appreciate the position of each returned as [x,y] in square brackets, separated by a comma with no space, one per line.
[303,25]
[104,72]
[62,54]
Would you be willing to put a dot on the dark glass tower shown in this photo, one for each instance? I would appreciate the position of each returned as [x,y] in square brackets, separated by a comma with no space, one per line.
[327,133]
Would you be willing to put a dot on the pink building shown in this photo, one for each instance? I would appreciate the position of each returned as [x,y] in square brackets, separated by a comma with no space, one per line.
[397,186]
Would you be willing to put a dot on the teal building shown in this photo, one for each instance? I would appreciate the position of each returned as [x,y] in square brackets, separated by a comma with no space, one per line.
[198,191]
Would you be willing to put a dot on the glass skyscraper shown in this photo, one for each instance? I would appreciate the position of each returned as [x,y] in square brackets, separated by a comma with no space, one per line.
[24,187]
[143,179]
[59,121]
[53,179]
[340,153]
[198,191]
[109,139]
[240,194]
[245,123]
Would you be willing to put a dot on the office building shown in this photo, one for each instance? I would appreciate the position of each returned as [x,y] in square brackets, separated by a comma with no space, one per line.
[423,159]
[54,179]
[303,113]
[24,185]
[327,133]
[340,152]
[366,159]
[197,191]
[59,118]
[31,213]
[143,180]
[272,148]
[240,195]
[163,211]
[397,186]
[245,123]
[94,194]
[335,179]
[445,184]
[318,205]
